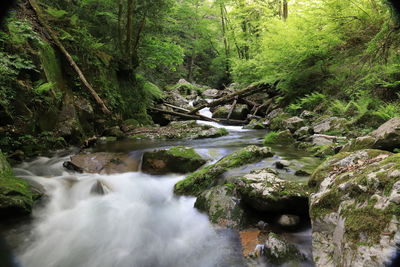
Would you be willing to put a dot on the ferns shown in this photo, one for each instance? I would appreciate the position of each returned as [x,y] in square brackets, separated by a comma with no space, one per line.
[339,108]
[388,111]
[308,102]
[362,106]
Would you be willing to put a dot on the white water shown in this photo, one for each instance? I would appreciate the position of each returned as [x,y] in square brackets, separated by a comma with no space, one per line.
[140,223]
[207,113]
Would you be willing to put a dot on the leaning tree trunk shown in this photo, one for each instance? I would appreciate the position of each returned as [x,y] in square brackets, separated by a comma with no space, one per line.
[71,61]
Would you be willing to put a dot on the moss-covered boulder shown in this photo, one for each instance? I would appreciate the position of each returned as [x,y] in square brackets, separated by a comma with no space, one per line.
[355,209]
[178,159]
[256,124]
[16,195]
[239,112]
[363,142]
[178,130]
[207,177]
[222,205]
[264,191]
[293,123]
[279,251]
[280,138]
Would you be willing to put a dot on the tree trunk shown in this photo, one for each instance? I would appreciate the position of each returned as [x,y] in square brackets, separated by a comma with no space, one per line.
[285,11]
[69,58]
[226,46]
[120,37]
[129,29]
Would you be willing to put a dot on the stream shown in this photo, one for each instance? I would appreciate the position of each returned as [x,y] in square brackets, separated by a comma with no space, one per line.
[139,222]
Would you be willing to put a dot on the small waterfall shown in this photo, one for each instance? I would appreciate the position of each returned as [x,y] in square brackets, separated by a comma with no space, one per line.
[129,219]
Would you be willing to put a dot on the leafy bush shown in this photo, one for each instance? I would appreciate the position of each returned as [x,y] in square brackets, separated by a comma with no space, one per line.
[270,138]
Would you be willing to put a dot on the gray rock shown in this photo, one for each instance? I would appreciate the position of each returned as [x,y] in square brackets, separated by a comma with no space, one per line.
[303,133]
[211,93]
[353,210]
[103,162]
[275,113]
[330,124]
[288,220]
[307,115]
[387,136]
[177,159]
[222,205]
[320,141]
[293,124]
[263,190]
[282,164]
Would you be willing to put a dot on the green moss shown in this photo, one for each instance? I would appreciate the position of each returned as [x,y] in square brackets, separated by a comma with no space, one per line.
[271,138]
[184,152]
[206,177]
[282,138]
[16,196]
[277,122]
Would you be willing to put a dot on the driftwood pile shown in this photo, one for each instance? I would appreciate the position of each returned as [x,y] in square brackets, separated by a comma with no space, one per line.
[233,98]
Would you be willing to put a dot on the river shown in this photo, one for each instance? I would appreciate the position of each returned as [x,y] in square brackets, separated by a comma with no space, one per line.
[139,222]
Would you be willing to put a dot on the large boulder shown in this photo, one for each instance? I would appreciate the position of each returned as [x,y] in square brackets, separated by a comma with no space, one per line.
[331,124]
[293,124]
[178,130]
[280,138]
[209,176]
[264,191]
[102,162]
[177,159]
[17,197]
[175,98]
[355,209]
[222,205]
[239,112]
[387,136]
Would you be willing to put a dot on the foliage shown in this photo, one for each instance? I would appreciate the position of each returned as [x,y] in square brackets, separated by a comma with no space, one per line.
[309,102]
[388,111]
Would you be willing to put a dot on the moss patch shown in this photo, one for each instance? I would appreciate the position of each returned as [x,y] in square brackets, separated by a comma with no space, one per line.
[206,177]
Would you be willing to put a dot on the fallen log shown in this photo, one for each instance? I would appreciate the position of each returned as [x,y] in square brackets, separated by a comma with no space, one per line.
[175,107]
[252,89]
[330,136]
[231,121]
[232,108]
[52,34]
[185,116]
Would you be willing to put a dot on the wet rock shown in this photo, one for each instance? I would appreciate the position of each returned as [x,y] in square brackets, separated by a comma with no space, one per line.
[249,240]
[103,162]
[262,225]
[211,93]
[331,124]
[354,221]
[177,159]
[209,176]
[17,196]
[387,136]
[264,191]
[289,221]
[222,205]
[100,187]
[239,112]
[282,164]
[279,251]
[178,130]
[293,124]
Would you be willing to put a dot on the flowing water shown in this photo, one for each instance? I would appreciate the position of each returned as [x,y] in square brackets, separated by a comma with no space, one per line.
[139,222]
